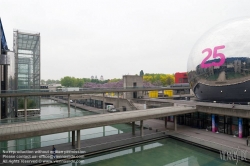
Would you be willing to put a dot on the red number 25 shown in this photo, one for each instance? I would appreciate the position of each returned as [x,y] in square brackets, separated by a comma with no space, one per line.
[215,55]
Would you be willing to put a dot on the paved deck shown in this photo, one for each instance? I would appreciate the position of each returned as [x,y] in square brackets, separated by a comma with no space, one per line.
[220,141]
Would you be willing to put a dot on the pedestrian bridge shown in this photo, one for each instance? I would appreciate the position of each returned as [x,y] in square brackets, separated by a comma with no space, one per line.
[39,128]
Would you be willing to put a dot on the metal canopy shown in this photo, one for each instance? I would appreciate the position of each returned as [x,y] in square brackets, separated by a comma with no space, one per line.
[27,41]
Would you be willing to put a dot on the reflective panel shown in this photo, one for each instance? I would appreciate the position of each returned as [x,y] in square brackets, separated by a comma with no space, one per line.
[219,63]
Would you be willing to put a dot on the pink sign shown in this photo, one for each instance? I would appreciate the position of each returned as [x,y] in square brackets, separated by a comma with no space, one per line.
[215,55]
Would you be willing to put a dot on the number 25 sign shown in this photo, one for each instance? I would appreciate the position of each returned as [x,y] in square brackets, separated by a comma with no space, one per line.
[215,54]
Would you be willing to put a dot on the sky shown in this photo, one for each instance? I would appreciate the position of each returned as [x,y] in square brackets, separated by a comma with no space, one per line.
[84,38]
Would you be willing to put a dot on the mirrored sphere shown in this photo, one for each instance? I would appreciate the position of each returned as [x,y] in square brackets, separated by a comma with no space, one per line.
[219,63]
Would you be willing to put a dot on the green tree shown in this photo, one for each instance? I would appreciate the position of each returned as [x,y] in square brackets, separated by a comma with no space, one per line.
[43,82]
[141,73]
[115,80]
[31,104]
[67,81]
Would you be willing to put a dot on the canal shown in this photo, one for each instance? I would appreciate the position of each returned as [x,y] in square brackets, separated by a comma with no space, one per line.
[51,110]
[165,152]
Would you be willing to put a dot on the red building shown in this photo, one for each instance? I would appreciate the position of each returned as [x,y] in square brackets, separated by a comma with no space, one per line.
[181,77]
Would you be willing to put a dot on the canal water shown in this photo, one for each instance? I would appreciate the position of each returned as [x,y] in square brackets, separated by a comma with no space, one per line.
[165,152]
[52,110]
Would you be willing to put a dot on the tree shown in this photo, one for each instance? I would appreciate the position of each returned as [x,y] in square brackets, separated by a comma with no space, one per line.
[141,73]
[115,80]
[43,82]
[68,81]
[159,79]
[170,79]
[31,104]
[79,82]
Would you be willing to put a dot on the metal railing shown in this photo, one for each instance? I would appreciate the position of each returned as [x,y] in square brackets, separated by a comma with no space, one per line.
[38,144]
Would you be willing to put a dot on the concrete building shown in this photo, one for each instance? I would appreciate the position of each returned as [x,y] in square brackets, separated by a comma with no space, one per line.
[132,81]
[53,87]
[101,78]
[69,89]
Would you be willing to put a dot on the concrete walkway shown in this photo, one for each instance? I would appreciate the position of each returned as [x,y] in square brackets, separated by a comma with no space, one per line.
[81,106]
[218,141]
[91,145]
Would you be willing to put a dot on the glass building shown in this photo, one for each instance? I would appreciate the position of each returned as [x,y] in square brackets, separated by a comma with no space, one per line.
[25,69]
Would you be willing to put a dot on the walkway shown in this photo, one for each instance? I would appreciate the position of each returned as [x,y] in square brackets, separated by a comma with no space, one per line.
[46,127]
[96,144]
[218,141]
[201,136]
[81,106]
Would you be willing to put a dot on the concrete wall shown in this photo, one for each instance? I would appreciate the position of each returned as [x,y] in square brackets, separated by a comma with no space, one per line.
[153,104]
[117,102]
[140,106]
[128,82]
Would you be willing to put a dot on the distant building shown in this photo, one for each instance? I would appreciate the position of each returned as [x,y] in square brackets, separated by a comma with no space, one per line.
[53,87]
[101,78]
[96,77]
[92,77]
[181,77]
[70,89]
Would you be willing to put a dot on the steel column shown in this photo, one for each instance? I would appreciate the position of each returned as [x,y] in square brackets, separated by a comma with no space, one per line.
[175,123]
[73,138]
[103,103]
[25,108]
[68,105]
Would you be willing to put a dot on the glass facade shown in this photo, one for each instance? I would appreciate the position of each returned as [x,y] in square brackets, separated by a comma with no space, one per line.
[238,127]
[26,47]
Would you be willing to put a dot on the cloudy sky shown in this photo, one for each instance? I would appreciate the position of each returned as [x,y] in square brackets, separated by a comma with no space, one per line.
[116,37]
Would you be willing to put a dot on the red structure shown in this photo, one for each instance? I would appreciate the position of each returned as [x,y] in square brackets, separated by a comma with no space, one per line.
[181,77]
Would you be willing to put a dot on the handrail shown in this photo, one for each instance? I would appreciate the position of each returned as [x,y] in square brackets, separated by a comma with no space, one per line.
[163,132]
[35,142]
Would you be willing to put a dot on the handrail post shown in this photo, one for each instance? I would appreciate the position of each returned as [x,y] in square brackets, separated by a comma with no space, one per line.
[69,105]
[25,108]
[103,103]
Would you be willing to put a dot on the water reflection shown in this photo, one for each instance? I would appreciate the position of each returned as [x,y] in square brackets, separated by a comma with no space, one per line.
[49,112]
[167,152]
